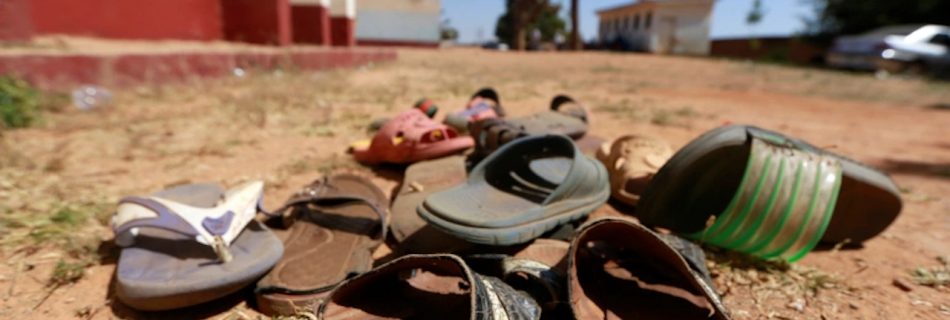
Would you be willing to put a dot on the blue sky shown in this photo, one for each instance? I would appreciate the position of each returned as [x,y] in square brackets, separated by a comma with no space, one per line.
[475,19]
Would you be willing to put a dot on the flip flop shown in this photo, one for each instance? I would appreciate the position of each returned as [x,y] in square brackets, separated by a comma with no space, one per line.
[772,196]
[190,244]
[526,188]
[631,162]
[410,137]
[421,179]
[484,104]
[439,286]
[618,269]
[342,219]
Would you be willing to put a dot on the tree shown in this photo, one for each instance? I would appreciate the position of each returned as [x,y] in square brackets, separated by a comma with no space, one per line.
[755,14]
[575,40]
[752,19]
[835,17]
[447,32]
[522,16]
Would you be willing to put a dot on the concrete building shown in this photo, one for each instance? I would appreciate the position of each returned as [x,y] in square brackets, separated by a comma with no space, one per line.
[398,22]
[658,26]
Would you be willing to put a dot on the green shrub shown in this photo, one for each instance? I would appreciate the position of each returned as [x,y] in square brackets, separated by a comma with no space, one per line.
[19,103]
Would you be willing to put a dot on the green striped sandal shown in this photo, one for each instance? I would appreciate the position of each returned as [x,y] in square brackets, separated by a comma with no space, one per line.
[772,196]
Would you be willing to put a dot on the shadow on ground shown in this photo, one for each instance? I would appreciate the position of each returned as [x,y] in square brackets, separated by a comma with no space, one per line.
[917,168]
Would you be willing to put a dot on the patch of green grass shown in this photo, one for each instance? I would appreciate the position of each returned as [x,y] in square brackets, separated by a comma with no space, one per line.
[605,68]
[623,108]
[66,272]
[69,216]
[933,276]
[19,103]
[663,117]
[319,165]
[62,227]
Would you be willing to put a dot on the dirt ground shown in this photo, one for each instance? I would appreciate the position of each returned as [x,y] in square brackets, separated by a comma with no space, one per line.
[59,181]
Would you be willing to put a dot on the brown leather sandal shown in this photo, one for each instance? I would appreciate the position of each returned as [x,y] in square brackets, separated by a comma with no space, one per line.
[345,217]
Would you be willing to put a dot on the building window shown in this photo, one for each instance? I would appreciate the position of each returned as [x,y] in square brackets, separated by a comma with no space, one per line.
[648,20]
[636,22]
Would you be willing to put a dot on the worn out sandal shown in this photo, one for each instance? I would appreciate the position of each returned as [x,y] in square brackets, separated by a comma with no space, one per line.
[771,196]
[190,244]
[334,225]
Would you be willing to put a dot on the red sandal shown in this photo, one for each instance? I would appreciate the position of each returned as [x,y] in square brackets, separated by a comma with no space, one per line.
[410,137]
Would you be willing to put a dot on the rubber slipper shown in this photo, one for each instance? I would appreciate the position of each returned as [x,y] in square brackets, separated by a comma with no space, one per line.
[421,179]
[439,286]
[190,244]
[772,196]
[334,226]
[425,105]
[484,104]
[631,162]
[410,137]
[565,116]
[619,269]
[490,134]
[526,188]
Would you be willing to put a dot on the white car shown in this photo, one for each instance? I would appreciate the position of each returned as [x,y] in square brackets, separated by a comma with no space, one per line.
[926,50]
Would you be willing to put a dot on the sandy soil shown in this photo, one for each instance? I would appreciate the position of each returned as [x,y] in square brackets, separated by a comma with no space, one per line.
[288,127]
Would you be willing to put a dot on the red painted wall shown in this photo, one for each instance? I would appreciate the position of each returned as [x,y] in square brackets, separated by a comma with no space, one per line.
[257,21]
[343,31]
[128,19]
[311,24]
[14,24]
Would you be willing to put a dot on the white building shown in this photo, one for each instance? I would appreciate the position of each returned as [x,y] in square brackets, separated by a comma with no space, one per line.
[659,26]
[398,22]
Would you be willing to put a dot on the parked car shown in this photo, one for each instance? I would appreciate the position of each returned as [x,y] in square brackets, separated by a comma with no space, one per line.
[924,51]
[862,52]
[494,45]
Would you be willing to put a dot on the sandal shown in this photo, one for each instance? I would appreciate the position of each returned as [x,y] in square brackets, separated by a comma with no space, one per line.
[438,286]
[619,269]
[421,179]
[772,196]
[526,188]
[484,104]
[631,162]
[334,224]
[410,137]
[190,244]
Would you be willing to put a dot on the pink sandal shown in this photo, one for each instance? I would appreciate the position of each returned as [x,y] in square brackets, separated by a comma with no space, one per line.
[410,137]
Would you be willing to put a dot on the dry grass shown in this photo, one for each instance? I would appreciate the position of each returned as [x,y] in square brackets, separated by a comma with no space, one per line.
[937,276]
[59,182]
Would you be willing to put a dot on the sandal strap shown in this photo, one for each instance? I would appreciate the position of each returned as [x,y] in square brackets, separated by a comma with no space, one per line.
[783,205]
[491,134]
[320,194]
[561,100]
[216,227]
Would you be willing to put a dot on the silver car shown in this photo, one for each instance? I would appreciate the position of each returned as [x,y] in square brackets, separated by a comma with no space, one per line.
[924,51]
[862,52]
